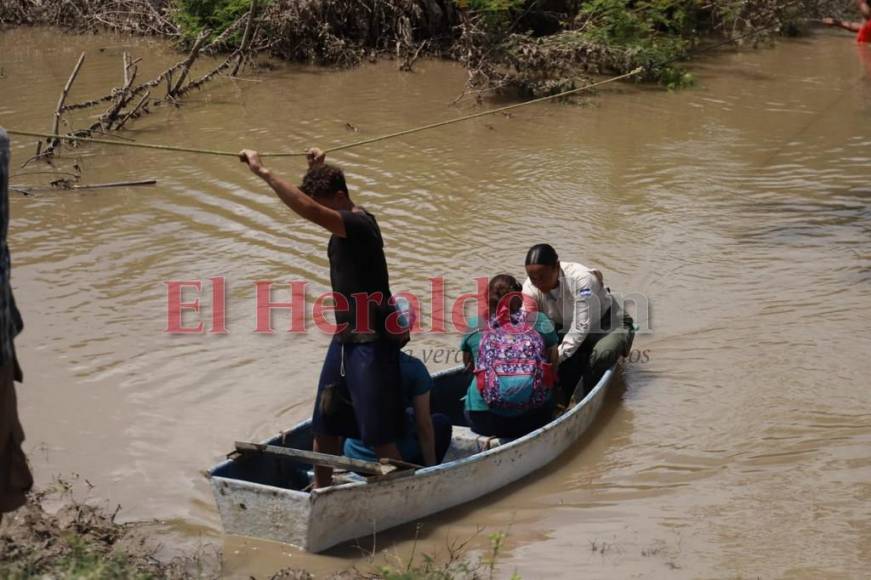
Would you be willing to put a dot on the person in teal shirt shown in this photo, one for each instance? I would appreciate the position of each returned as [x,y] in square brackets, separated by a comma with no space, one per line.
[505,301]
[426,436]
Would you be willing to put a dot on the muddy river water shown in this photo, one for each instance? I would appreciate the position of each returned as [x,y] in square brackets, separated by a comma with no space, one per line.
[738,443]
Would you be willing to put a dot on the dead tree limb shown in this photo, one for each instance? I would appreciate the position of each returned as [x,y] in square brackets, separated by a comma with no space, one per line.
[63,97]
[246,38]
[410,59]
[209,75]
[134,112]
[68,185]
[164,76]
[123,98]
[189,61]
[115,184]
[126,60]
[118,114]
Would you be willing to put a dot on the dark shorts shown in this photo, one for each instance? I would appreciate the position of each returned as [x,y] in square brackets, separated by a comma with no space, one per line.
[15,477]
[409,444]
[493,425]
[367,400]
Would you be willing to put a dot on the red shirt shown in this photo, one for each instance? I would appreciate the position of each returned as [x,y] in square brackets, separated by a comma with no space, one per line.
[864,33]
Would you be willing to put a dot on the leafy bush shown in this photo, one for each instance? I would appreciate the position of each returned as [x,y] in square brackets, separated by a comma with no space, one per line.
[648,35]
[194,16]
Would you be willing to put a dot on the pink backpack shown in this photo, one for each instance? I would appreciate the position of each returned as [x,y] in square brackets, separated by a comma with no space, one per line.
[512,370]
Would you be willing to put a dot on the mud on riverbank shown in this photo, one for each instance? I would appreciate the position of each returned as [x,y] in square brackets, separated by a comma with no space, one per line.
[55,535]
[81,540]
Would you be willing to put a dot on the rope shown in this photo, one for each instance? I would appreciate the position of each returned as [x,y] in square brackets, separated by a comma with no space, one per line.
[339,147]
[130,143]
[485,113]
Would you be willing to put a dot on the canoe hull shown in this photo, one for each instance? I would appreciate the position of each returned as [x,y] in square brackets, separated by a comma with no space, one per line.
[324,518]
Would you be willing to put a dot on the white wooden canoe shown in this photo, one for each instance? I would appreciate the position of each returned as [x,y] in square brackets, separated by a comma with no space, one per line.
[260,495]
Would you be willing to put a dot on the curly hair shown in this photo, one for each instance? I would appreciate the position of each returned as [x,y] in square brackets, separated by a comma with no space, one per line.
[323,180]
[499,287]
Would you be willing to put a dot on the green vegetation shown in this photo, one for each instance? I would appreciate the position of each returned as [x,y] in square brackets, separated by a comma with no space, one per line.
[652,36]
[82,560]
[546,46]
[536,47]
[194,16]
[456,565]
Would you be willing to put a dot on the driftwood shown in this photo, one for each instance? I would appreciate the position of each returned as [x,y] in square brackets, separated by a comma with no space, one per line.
[63,97]
[122,99]
[134,112]
[410,59]
[189,61]
[70,184]
[246,37]
[208,76]
[120,112]
[116,184]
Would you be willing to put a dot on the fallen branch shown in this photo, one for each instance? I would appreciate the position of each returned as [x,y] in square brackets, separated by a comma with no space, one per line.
[124,96]
[246,37]
[116,184]
[69,185]
[134,112]
[56,172]
[208,76]
[189,61]
[119,112]
[63,97]
[408,65]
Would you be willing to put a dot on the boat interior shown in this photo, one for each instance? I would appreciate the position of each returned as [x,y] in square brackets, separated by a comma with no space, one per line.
[447,396]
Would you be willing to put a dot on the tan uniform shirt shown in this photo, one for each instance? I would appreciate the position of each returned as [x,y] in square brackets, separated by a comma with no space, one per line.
[577,304]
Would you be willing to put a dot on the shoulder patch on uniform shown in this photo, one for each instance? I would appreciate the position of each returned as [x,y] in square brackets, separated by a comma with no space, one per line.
[585,292]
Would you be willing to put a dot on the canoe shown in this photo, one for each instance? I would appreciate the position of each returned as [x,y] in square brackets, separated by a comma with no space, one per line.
[264,496]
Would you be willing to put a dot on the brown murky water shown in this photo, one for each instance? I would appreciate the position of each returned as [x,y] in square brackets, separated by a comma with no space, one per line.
[740,443]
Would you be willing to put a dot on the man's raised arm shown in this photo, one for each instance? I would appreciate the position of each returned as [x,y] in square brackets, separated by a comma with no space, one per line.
[293,197]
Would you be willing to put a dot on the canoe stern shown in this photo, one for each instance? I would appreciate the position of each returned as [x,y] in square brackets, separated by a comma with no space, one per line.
[263,511]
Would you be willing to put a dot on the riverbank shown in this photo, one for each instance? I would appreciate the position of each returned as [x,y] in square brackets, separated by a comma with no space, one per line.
[54,535]
[535,47]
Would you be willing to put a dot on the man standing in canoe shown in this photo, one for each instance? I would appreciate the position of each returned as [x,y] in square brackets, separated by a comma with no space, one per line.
[362,362]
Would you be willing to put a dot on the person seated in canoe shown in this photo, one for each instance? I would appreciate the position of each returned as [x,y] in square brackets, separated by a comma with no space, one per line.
[427,435]
[862,29]
[594,331]
[511,355]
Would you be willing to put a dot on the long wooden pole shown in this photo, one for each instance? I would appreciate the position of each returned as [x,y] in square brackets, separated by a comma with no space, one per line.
[315,458]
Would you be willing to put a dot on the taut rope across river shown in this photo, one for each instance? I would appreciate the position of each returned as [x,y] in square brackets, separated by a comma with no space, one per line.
[360,143]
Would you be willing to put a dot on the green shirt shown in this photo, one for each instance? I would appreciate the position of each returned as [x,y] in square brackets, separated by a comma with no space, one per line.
[470,343]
